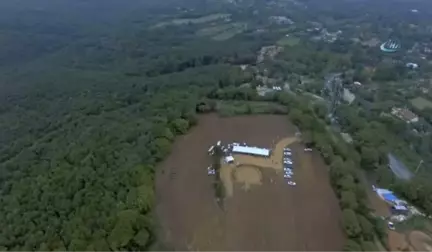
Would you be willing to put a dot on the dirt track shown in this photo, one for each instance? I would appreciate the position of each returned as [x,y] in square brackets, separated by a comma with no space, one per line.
[270,216]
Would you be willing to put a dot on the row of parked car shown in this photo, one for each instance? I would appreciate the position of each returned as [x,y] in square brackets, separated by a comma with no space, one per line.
[288,165]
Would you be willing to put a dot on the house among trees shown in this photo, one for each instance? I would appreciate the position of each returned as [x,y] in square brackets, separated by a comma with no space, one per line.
[405,115]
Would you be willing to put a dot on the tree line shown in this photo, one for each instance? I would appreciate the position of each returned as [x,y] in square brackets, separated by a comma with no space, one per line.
[360,226]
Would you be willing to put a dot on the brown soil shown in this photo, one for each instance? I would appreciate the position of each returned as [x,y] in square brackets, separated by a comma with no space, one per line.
[397,241]
[271,215]
[248,176]
[246,169]
[420,241]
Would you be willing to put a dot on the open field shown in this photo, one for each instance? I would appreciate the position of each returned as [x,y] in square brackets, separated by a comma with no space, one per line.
[247,169]
[264,212]
[200,20]
[217,29]
[421,103]
[420,241]
[288,41]
[398,242]
[231,32]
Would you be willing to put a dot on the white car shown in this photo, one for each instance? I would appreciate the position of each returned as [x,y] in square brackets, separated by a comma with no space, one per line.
[287,176]
[308,149]
[391,225]
[287,149]
[291,183]
[287,162]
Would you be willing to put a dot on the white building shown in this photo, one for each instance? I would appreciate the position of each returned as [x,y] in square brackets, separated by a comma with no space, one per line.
[251,151]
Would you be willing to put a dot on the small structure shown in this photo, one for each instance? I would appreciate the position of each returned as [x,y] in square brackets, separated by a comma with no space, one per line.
[357,83]
[399,210]
[348,96]
[346,137]
[387,195]
[405,115]
[229,159]
[251,151]
[412,65]
[390,46]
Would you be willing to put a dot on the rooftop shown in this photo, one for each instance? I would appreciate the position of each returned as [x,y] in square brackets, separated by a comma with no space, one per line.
[251,150]
[404,114]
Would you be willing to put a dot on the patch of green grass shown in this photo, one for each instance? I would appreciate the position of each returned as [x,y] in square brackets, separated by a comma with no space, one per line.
[209,31]
[200,20]
[213,30]
[421,103]
[415,223]
[288,41]
[231,32]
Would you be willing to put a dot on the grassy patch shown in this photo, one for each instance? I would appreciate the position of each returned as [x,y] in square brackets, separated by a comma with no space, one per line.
[218,29]
[421,103]
[200,20]
[231,32]
[288,41]
[232,108]
[415,223]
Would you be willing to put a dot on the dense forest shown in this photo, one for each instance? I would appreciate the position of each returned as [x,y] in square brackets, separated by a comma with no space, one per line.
[93,94]
[91,101]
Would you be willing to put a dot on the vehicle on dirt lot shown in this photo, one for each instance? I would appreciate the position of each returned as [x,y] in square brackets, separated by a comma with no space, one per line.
[391,225]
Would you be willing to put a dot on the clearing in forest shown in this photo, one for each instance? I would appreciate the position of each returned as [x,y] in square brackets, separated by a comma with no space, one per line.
[217,29]
[246,168]
[199,20]
[288,41]
[421,103]
[231,32]
[265,213]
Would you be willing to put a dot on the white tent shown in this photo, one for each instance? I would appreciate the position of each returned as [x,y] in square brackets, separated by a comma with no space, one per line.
[251,150]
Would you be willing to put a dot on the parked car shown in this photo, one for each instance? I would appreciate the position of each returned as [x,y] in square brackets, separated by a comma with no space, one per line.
[287,162]
[291,183]
[391,225]
[287,149]
[308,149]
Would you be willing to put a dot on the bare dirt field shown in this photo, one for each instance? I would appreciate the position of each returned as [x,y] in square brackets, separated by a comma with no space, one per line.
[247,169]
[420,241]
[398,242]
[265,213]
